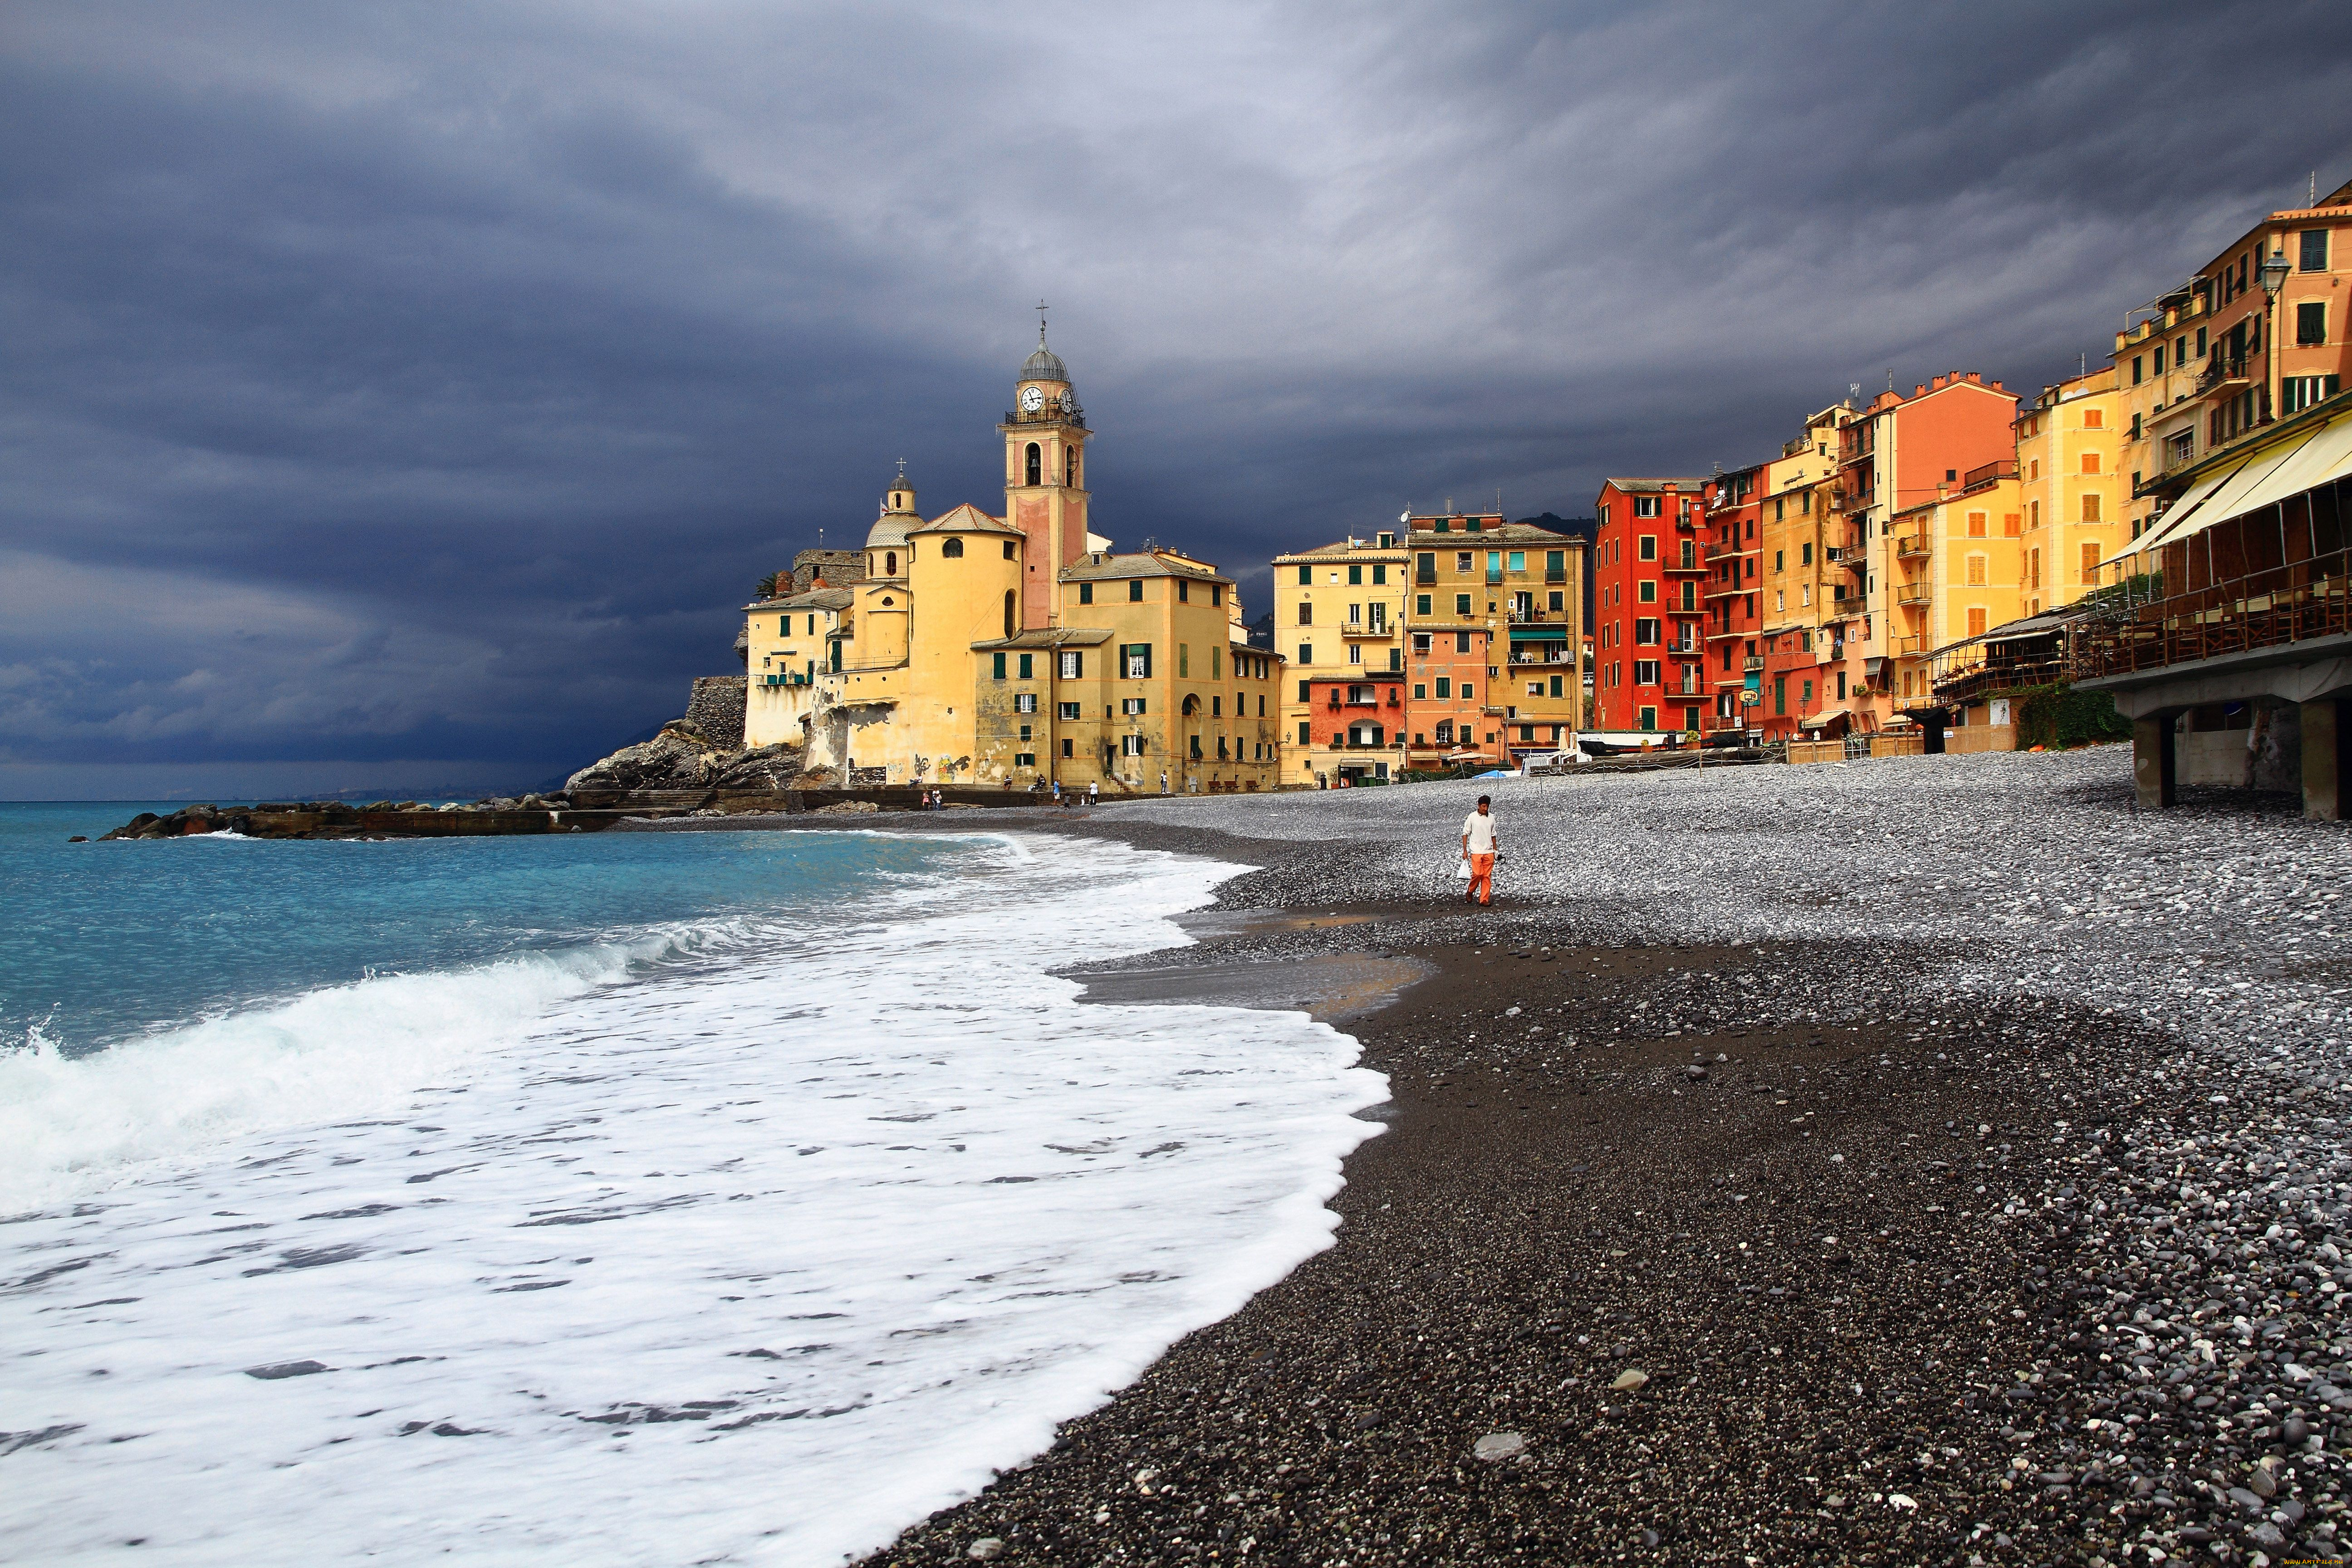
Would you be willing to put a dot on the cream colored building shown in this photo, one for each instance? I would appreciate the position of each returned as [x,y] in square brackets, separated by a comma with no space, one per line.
[1338,613]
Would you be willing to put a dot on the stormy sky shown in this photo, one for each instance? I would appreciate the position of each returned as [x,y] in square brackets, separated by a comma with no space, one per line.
[406,396]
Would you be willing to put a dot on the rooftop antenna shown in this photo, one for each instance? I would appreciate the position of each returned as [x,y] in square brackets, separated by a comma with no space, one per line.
[2313,200]
[1890,378]
[2081,364]
[1854,392]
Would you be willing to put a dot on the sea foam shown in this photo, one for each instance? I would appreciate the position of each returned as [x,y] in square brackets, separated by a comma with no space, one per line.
[753,1254]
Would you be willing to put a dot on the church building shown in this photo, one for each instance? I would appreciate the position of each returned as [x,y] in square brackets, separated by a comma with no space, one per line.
[1018,651]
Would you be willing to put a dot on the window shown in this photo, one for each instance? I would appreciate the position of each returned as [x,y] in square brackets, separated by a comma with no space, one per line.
[1461,603]
[1355,615]
[1217,706]
[1216,664]
[1421,603]
[2313,250]
[1649,718]
[2034,512]
[1380,571]
[1518,560]
[2034,568]
[2139,369]
[2094,419]
[1444,688]
[1025,673]
[2090,563]
[1779,508]
[1461,642]
[2090,462]
[1135,591]
[1025,759]
[1420,642]
[1306,653]
[1808,557]
[1135,659]
[891,563]
[1132,745]
[1183,661]
[996,666]
[1183,590]
[950,550]
[1806,700]
[1086,592]
[1304,733]
[1033,465]
[1645,673]
[1066,710]
[1355,653]
[1645,631]
[1977,564]
[1305,692]
[1025,703]
[1645,506]
[2311,322]
[1649,547]
[1355,573]
[2159,358]
[2010,524]
[1648,592]
[1131,706]
[1559,600]
[1976,617]
[1779,560]
[1978,523]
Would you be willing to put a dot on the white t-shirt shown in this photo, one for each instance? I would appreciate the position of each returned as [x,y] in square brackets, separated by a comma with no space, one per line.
[1480,827]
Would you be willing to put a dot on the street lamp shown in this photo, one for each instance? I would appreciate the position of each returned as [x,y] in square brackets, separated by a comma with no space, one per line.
[2275,272]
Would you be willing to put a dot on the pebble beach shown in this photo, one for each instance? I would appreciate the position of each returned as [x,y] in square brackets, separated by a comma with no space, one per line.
[1931,1160]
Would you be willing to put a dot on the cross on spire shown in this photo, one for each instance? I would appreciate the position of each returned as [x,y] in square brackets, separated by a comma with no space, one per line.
[902,473]
[1041,323]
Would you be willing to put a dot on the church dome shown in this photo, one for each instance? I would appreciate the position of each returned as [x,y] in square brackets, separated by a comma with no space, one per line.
[1044,364]
[890,529]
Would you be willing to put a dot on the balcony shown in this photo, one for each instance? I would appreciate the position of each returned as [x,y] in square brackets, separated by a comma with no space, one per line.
[2004,469]
[1554,575]
[1914,546]
[1381,630]
[1912,596]
[1752,661]
[2224,377]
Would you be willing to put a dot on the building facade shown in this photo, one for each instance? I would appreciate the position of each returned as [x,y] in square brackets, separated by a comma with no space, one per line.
[1339,616]
[2072,487]
[1650,613]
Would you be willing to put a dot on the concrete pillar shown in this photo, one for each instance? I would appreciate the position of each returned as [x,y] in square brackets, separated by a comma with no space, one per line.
[2326,748]
[2152,762]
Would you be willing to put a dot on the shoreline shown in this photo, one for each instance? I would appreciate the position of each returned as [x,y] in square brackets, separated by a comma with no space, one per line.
[1775,1283]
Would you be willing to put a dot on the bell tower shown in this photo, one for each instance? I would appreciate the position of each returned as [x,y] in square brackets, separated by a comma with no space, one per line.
[1046,477]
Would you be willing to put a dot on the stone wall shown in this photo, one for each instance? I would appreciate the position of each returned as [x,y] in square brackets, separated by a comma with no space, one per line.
[839,568]
[716,706]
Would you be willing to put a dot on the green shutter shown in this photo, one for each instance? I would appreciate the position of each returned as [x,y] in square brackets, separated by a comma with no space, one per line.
[1025,666]
[996,666]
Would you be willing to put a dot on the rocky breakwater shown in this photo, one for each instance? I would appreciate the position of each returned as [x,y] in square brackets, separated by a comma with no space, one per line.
[681,768]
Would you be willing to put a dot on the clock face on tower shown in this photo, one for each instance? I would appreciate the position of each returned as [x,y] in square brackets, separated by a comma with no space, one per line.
[1070,403]
[1033,398]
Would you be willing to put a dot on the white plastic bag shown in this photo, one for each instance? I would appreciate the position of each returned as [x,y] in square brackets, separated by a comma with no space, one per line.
[1462,871]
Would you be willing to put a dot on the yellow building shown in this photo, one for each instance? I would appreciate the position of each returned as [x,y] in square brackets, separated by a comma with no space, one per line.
[2069,451]
[1140,688]
[1520,589]
[1016,650]
[1338,613]
[1959,560]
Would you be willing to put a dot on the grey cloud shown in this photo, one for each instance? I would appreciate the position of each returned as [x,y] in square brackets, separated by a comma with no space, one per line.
[511,343]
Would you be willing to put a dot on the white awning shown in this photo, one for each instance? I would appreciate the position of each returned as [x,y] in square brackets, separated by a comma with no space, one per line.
[2328,454]
[2267,479]
[2181,511]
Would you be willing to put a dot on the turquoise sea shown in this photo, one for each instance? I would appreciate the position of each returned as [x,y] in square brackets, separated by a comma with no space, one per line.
[627,1197]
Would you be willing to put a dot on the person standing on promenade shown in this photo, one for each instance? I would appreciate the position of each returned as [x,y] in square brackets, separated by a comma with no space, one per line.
[1479,846]
[1094,793]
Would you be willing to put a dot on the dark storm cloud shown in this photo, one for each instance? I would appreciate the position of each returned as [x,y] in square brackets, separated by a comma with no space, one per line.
[421,388]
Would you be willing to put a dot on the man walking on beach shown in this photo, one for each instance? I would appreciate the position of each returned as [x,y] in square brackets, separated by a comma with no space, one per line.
[1479,847]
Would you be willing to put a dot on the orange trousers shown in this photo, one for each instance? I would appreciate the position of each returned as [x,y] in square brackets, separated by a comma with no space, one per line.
[1481,878]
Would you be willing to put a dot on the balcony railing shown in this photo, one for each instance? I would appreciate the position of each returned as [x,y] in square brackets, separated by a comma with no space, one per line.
[2002,468]
[2278,606]
[2221,373]
[1752,661]
[1912,545]
[1912,595]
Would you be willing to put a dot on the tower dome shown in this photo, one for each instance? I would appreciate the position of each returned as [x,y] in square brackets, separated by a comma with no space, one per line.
[898,514]
[1044,365]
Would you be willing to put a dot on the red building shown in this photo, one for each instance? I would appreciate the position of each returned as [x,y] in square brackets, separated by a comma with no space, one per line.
[1648,617]
[1735,661]
[1360,716]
